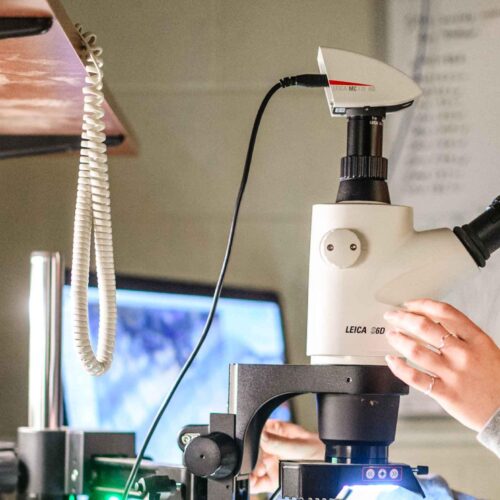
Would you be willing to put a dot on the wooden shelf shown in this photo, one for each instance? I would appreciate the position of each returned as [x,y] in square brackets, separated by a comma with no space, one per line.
[41,80]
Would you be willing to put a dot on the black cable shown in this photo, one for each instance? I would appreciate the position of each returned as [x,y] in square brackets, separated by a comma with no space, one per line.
[347,494]
[274,496]
[303,80]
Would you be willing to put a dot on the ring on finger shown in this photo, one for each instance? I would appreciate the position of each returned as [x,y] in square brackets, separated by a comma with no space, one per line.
[443,342]
[428,391]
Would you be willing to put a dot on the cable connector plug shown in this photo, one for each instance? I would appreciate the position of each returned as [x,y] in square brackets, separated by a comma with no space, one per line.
[305,81]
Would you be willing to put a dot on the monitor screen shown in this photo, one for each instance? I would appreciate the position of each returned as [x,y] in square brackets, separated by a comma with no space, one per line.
[157,327]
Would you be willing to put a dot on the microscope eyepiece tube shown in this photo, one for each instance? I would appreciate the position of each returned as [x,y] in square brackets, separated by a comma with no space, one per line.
[363,171]
[481,237]
[364,135]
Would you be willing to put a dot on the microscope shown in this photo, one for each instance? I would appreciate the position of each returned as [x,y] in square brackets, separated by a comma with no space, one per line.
[365,258]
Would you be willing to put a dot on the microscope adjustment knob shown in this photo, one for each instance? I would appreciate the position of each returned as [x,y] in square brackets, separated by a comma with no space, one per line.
[9,468]
[341,247]
[214,455]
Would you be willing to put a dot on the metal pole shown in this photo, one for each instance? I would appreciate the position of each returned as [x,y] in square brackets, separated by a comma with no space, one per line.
[45,401]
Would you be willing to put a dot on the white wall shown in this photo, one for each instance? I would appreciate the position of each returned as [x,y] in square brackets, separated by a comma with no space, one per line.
[189,75]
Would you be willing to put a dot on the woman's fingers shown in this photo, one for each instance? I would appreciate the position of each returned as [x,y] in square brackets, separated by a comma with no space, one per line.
[282,441]
[278,446]
[417,353]
[420,326]
[260,469]
[468,370]
[452,319]
[413,377]
[289,448]
[265,476]
[286,429]
[264,484]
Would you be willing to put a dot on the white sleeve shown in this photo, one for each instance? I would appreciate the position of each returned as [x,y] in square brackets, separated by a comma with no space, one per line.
[490,434]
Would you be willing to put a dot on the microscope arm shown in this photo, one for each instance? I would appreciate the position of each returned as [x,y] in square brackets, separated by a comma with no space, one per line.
[256,390]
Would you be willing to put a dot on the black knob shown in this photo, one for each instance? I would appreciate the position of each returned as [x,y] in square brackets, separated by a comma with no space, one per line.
[363,167]
[9,468]
[214,455]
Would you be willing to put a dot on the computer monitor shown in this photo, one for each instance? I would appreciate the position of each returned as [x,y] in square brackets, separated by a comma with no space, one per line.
[158,324]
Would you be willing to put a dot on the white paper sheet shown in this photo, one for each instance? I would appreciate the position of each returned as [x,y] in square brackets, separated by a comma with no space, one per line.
[448,165]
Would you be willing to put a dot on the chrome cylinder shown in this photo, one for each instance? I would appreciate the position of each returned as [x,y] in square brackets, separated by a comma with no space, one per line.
[45,309]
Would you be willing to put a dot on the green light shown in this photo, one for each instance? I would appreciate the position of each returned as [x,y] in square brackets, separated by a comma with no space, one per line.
[113,497]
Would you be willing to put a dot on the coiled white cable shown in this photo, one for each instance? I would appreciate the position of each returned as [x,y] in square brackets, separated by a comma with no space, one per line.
[93,211]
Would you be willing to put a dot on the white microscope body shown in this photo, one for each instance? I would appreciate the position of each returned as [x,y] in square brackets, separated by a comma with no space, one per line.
[365,256]
[370,255]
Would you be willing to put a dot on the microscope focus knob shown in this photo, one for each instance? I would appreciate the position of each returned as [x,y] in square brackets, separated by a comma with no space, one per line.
[341,247]
[9,468]
[214,455]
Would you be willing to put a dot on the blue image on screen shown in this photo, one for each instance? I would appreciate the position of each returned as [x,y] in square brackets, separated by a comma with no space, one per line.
[156,332]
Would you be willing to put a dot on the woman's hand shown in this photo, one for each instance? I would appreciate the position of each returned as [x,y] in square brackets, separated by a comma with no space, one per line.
[282,441]
[464,361]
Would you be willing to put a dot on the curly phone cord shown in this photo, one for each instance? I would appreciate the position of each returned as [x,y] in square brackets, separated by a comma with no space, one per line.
[93,211]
